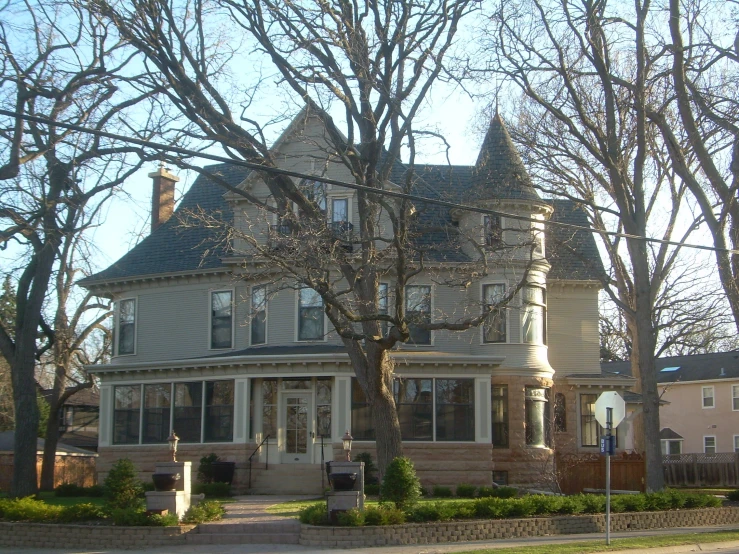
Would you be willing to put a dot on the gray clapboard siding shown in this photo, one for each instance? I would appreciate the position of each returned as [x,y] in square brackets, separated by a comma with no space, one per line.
[573,329]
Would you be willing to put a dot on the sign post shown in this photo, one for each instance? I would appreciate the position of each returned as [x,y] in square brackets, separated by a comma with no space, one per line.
[610,410]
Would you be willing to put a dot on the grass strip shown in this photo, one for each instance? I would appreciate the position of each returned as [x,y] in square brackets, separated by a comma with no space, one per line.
[636,543]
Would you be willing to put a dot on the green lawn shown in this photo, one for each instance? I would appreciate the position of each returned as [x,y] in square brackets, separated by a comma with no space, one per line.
[638,543]
[291,509]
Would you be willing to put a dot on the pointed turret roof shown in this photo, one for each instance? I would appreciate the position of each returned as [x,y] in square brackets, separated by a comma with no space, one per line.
[499,172]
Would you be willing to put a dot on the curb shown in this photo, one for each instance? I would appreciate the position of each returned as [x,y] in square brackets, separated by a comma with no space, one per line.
[697,547]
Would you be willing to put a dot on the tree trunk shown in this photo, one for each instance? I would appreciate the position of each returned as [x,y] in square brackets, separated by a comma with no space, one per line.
[388,439]
[24,481]
[50,443]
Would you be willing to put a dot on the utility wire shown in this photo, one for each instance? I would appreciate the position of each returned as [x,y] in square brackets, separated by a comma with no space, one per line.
[354,186]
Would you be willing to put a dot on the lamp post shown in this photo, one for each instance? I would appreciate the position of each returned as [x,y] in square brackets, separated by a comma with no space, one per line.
[347,440]
[173,439]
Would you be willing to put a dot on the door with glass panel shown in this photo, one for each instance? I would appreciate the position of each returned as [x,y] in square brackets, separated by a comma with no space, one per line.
[298,441]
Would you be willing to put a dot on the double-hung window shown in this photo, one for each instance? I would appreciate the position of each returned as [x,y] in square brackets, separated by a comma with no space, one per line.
[534,314]
[492,230]
[709,445]
[708,401]
[258,314]
[418,312]
[735,397]
[494,329]
[126,328]
[221,319]
[588,424]
[310,315]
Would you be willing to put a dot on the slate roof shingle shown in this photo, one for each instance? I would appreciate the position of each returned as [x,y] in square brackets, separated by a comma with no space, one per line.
[174,248]
[699,367]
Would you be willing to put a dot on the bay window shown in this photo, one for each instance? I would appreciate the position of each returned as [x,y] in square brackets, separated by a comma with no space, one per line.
[494,329]
[499,406]
[418,312]
[537,416]
[533,322]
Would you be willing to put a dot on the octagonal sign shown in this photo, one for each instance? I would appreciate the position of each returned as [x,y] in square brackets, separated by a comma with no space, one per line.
[610,399]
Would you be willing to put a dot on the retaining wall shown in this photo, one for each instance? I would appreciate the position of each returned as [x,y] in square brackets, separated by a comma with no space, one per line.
[457,531]
[103,537]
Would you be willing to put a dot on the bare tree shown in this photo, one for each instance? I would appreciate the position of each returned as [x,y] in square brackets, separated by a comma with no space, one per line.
[703,136]
[364,69]
[62,63]
[589,73]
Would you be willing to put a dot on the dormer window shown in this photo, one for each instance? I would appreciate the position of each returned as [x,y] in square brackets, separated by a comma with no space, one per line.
[492,230]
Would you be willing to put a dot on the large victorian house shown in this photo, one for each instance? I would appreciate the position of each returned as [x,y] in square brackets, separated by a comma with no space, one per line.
[208,344]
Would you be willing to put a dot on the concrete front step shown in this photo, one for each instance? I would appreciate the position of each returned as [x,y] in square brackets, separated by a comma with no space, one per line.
[267,532]
[289,479]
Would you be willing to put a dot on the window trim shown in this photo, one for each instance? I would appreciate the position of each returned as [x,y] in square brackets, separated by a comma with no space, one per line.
[117,339]
[735,398]
[715,444]
[664,446]
[703,398]
[431,311]
[330,208]
[580,427]
[736,444]
[297,338]
[266,314]
[505,309]
[210,319]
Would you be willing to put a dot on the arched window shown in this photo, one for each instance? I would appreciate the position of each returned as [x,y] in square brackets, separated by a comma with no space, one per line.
[560,413]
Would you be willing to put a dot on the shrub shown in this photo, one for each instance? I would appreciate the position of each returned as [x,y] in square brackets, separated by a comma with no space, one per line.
[210,510]
[351,518]
[205,469]
[431,511]
[212,490]
[657,501]
[314,514]
[80,512]
[370,469]
[593,503]
[486,492]
[466,491]
[570,505]
[372,489]
[493,508]
[505,492]
[400,484]
[733,496]
[542,504]
[137,517]
[122,486]
[28,509]
[95,491]
[69,490]
[441,492]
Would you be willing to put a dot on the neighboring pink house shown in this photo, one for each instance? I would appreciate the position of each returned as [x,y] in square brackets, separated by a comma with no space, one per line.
[700,412]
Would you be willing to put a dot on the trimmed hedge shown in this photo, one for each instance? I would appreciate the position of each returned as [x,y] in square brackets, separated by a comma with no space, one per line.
[501,508]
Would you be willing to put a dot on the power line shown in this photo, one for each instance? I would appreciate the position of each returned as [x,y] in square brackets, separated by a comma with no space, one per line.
[354,186]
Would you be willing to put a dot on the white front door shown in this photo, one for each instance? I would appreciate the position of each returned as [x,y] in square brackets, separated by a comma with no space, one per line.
[298,428]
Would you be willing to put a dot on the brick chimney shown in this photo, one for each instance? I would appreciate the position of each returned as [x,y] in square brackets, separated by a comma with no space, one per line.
[162,197]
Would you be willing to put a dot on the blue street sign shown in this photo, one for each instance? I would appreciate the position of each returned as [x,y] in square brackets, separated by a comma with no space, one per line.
[608,445]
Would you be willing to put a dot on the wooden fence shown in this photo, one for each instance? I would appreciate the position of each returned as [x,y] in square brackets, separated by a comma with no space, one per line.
[78,469]
[574,474]
[704,470]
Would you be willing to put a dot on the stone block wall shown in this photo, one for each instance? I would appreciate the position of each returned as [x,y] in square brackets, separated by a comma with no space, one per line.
[40,535]
[444,532]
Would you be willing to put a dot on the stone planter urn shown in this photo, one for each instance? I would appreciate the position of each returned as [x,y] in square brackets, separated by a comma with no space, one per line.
[165,481]
[343,481]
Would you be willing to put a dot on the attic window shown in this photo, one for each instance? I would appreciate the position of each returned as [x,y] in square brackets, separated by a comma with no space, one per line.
[668,369]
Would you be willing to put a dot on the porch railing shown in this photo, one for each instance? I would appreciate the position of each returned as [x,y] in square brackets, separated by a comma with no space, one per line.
[266,460]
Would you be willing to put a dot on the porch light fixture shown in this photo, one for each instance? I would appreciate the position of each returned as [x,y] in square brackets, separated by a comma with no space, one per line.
[347,440]
[173,439]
